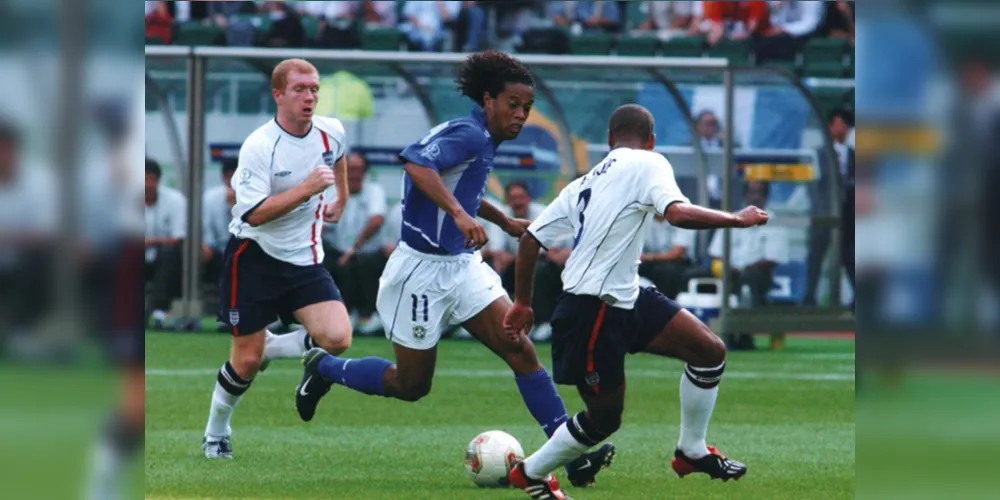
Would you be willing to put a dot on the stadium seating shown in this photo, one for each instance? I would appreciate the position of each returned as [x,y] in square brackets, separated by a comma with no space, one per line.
[198,34]
[826,57]
[381,39]
[738,53]
[693,46]
[638,46]
[591,43]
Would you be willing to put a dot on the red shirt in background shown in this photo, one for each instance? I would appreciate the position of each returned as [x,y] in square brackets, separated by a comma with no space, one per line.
[754,15]
[159,23]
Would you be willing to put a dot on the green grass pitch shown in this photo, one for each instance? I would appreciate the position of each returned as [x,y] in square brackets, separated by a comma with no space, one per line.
[788,415]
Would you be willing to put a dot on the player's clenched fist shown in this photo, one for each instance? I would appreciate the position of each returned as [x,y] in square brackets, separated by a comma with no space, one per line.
[474,232]
[319,179]
[752,216]
[518,321]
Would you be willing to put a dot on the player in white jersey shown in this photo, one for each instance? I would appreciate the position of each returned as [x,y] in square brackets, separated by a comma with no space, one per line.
[274,260]
[603,314]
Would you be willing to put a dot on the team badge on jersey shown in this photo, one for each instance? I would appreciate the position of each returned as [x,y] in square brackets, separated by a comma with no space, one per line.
[234,317]
[419,332]
[244,177]
[328,159]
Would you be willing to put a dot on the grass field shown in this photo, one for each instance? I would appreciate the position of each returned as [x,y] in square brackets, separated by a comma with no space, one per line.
[788,415]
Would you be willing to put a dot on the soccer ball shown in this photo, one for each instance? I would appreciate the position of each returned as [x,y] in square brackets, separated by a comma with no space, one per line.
[490,457]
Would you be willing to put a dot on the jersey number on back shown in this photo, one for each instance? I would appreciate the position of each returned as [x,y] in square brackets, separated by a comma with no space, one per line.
[583,199]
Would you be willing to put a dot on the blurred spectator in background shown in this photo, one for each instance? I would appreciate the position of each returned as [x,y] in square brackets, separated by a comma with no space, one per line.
[734,20]
[672,18]
[969,182]
[839,123]
[166,228]
[791,23]
[353,251]
[711,139]
[838,20]
[428,23]
[503,248]
[392,228]
[754,255]
[286,25]
[469,29]
[216,214]
[666,256]
[379,13]
[159,22]
[239,31]
[594,14]
[337,23]
[28,221]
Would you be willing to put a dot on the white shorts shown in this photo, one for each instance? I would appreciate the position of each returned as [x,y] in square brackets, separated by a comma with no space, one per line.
[420,296]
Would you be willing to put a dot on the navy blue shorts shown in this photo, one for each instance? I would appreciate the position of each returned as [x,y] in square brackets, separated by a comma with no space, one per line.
[590,338]
[255,288]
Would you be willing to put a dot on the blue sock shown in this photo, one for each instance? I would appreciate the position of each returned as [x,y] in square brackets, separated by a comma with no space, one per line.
[363,375]
[542,400]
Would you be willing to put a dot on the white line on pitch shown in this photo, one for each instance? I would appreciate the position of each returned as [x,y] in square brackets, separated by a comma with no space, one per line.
[447,372]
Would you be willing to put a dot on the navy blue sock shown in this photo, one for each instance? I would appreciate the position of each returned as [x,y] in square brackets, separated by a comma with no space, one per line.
[542,400]
[363,375]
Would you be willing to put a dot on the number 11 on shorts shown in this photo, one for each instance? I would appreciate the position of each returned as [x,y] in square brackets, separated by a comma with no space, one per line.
[419,303]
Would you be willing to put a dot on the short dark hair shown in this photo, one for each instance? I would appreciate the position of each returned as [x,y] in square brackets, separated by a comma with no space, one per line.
[705,113]
[490,71]
[153,168]
[632,121]
[364,160]
[9,132]
[516,183]
[843,114]
[229,165]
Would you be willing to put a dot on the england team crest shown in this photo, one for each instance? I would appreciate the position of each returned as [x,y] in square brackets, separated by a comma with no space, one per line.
[328,159]
[234,317]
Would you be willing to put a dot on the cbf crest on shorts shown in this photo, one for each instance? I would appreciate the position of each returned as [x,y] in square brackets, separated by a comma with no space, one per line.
[419,332]
[234,317]
[328,159]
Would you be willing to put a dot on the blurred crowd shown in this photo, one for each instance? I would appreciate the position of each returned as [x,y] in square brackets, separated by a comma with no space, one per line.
[359,245]
[774,30]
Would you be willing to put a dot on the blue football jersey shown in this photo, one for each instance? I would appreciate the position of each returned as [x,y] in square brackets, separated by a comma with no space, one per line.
[461,151]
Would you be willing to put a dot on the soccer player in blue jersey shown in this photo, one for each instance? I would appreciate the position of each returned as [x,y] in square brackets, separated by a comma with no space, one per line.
[436,277]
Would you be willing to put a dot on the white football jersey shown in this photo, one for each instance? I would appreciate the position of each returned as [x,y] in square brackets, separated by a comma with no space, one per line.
[607,212]
[273,161]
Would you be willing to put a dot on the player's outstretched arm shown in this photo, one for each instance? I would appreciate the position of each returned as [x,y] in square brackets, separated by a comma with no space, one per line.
[429,182]
[688,216]
[511,226]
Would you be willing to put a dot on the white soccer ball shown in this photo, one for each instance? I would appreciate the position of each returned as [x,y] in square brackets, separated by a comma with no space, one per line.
[490,457]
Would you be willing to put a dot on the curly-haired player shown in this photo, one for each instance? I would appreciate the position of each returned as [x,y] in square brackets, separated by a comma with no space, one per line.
[436,277]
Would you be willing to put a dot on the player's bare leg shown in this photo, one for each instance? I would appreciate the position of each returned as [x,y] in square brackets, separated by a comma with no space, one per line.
[408,379]
[232,382]
[686,338]
[535,384]
[329,325]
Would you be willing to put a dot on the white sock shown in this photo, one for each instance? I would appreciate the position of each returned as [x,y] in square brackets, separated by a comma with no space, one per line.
[561,449]
[104,476]
[697,404]
[288,346]
[229,389]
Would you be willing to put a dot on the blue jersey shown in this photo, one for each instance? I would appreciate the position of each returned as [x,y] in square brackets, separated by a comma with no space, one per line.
[461,151]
